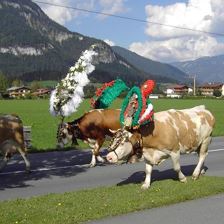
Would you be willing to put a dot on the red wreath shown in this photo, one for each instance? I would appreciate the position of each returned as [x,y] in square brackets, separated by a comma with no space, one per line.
[99,92]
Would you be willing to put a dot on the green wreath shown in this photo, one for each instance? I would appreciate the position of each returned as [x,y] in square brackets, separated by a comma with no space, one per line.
[137,91]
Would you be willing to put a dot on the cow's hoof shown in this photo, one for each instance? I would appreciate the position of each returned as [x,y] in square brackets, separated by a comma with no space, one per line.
[194,177]
[100,159]
[145,186]
[183,180]
[92,165]
[203,171]
[28,171]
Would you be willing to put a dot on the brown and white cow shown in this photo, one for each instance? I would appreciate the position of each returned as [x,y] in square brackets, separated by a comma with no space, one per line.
[92,128]
[173,132]
[12,139]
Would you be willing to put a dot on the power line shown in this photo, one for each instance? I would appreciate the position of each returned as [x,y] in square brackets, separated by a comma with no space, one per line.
[129,18]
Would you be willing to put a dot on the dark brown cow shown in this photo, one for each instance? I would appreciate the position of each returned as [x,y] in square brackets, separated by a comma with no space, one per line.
[12,139]
[92,128]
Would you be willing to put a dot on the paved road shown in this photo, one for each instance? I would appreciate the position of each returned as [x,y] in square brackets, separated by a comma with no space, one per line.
[66,171]
[203,211]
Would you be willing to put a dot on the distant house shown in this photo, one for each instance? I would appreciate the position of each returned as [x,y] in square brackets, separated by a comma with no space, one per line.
[176,91]
[180,89]
[41,92]
[208,89]
[21,91]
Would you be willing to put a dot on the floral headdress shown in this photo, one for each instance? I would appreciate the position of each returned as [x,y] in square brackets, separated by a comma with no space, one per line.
[68,94]
[107,93]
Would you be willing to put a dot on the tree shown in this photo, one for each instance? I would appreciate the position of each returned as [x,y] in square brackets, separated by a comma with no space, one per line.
[4,82]
[35,85]
[157,89]
[217,93]
[17,83]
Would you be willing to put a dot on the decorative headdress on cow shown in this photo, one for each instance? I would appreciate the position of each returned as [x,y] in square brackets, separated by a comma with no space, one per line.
[147,88]
[68,94]
[107,93]
[135,103]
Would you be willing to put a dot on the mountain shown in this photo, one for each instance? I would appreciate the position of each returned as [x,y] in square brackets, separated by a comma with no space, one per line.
[150,66]
[206,69]
[34,47]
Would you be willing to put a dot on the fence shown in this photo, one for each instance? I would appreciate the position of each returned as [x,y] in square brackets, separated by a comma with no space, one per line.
[27,136]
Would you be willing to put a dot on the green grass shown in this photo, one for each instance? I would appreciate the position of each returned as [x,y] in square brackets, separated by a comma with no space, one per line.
[36,114]
[81,206]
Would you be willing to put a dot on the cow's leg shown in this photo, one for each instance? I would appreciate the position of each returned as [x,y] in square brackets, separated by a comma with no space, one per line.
[97,150]
[148,171]
[95,153]
[100,159]
[93,160]
[203,152]
[176,166]
[7,149]
[24,156]
[3,163]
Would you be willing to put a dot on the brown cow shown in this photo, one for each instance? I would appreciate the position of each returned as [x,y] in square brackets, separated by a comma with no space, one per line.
[12,139]
[173,132]
[92,128]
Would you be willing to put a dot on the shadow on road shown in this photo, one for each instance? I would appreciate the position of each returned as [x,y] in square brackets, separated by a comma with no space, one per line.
[44,165]
[157,175]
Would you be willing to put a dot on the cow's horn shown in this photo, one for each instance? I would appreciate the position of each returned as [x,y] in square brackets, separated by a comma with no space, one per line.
[112,131]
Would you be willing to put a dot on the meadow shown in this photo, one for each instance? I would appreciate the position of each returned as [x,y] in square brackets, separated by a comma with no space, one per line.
[35,113]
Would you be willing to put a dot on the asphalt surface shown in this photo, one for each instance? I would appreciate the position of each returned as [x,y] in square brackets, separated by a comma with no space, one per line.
[57,172]
[203,211]
[63,171]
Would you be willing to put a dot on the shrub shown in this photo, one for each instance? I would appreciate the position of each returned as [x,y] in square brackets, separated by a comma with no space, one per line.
[217,93]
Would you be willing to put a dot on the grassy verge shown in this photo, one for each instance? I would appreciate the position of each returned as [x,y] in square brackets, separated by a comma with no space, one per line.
[81,206]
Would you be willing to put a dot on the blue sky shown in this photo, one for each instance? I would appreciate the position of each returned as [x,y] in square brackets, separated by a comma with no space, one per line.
[121,32]
[159,43]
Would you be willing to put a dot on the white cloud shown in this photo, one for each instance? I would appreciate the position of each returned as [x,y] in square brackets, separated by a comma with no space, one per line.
[178,49]
[197,14]
[112,6]
[63,14]
[109,42]
[58,14]
[172,44]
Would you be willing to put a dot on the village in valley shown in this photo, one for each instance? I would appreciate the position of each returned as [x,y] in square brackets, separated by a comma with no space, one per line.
[212,90]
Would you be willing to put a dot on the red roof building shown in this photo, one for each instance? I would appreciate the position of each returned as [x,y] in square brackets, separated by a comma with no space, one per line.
[41,92]
[208,89]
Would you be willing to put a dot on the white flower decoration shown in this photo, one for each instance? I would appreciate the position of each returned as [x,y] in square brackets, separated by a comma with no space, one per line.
[68,94]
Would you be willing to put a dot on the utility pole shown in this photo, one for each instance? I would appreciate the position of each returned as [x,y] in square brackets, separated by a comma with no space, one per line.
[194,83]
